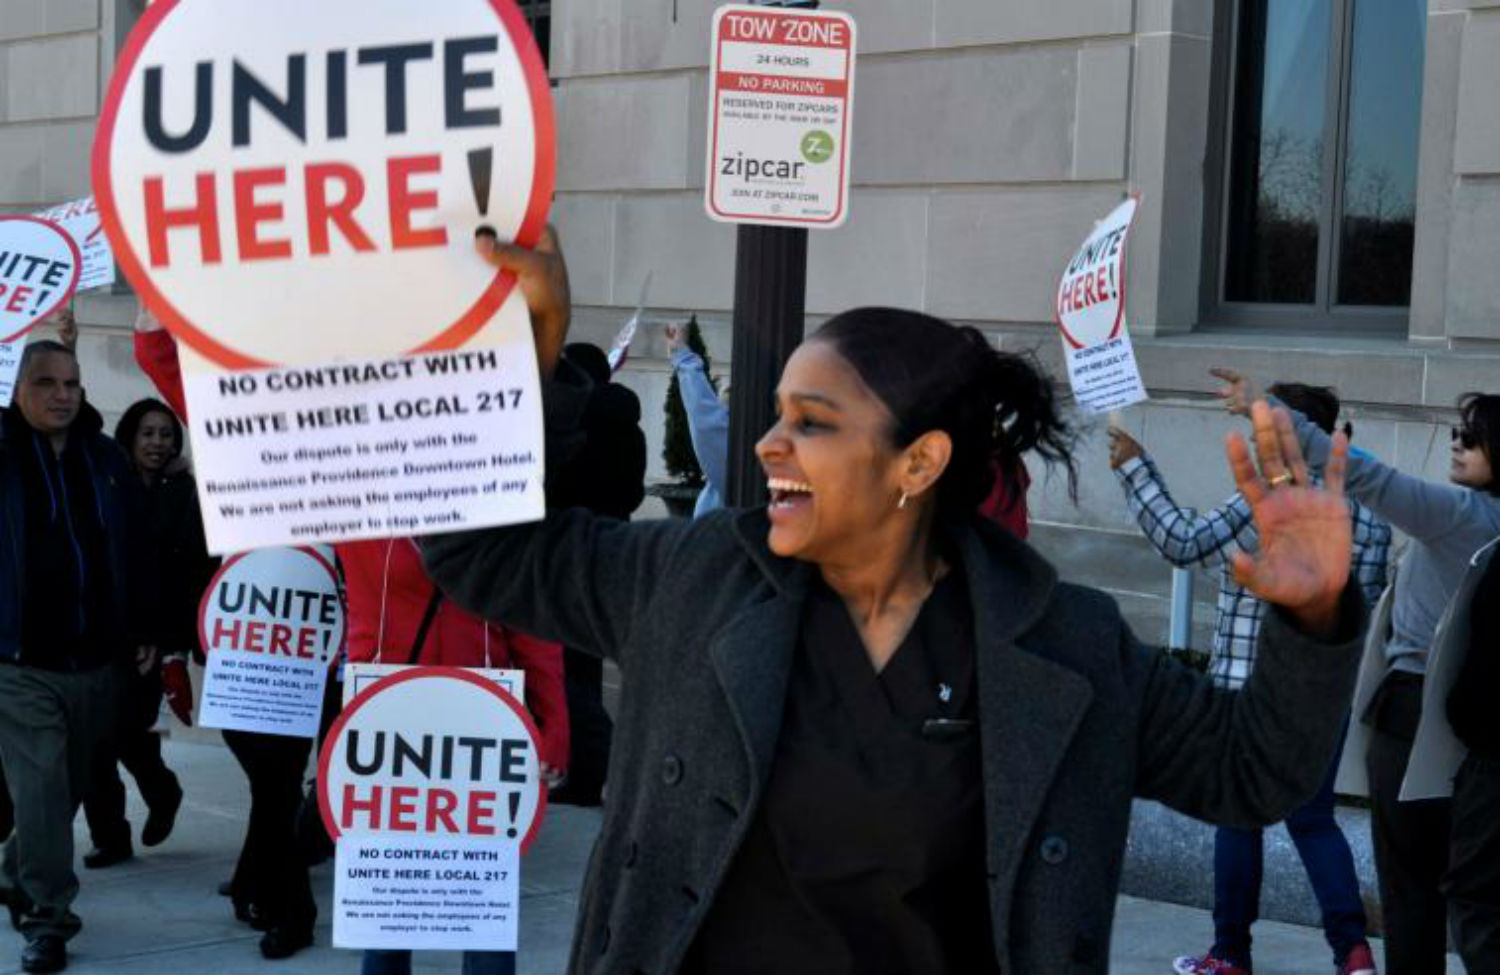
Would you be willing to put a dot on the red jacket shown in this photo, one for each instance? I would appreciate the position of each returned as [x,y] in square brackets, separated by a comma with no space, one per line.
[1004,508]
[388,588]
[388,594]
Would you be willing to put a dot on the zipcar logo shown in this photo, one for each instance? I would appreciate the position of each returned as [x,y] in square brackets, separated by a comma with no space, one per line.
[738,165]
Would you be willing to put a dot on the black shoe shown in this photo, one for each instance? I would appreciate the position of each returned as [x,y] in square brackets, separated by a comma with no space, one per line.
[284,942]
[251,915]
[18,904]
[161,819]
[107,856]
[45,954]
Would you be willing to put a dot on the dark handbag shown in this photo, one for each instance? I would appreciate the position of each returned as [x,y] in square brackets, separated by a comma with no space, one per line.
[313,839]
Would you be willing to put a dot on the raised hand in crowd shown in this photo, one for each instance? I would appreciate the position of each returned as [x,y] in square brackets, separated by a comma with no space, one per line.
[1238,391]
[66,325]
[676,334]
[1122,447]
[145,321]
[1305,535]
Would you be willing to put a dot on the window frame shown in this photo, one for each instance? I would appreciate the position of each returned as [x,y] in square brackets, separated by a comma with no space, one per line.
[1323,314]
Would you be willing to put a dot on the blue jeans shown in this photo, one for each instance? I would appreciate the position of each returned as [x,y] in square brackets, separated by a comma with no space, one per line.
[1326,858]
[394,962]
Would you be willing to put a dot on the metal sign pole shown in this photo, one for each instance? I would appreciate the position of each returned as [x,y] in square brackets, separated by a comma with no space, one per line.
[770,290]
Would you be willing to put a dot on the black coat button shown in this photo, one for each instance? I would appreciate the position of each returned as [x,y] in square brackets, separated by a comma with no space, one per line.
[671,770]
[1054,850]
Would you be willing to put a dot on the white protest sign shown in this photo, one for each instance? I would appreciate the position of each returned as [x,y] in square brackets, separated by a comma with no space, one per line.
[359,677]
[1091,314]
[309,198]
[374,448]
[80,220]
[271,623]
[39,266]
[430,784]
[780,114]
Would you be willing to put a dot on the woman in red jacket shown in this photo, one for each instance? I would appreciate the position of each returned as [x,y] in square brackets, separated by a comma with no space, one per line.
[388,596]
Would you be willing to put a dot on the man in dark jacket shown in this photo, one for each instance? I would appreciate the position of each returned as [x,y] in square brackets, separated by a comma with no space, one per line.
[608,479]
[67,575]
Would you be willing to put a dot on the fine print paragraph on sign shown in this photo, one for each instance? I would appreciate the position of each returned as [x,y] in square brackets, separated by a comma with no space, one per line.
[370,449]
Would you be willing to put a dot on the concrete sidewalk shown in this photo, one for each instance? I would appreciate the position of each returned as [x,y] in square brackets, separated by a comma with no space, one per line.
[159,913]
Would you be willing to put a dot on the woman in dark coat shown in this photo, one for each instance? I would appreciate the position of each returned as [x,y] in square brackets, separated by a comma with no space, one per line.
[151,436]
[866,731]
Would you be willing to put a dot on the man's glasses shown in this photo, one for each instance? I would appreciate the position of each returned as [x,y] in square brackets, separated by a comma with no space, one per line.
[1468,438]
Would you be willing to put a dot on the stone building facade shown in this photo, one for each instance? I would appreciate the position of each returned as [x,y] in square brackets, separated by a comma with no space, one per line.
[1320,184]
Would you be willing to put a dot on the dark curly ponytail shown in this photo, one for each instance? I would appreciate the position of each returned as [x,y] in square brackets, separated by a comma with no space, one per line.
[995,406]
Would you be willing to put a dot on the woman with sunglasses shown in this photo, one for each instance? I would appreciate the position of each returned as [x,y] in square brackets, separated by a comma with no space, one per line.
[1448,523]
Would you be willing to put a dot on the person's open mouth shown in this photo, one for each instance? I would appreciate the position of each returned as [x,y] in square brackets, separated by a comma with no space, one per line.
[788,496]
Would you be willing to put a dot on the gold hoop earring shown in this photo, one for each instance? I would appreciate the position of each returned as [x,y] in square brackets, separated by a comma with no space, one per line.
[901,505]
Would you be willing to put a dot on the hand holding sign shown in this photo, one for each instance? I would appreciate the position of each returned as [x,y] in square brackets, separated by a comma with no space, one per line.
[542,276]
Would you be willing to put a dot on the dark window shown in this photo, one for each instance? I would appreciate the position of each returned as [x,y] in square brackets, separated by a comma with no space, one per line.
[538,14]
[1321,177]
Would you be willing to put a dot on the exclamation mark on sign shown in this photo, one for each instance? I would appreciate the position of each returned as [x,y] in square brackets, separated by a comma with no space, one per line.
[515,810]
[1113,287]
[40,303]
[481,165]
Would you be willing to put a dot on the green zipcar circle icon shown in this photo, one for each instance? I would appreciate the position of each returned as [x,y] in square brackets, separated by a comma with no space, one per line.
[817,146]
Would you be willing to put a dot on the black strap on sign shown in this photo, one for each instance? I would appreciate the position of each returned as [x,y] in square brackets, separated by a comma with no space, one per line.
[425,625]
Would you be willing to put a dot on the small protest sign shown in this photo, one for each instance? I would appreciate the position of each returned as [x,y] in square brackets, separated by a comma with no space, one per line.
[289,199]
[1091,314]
[39,266]
[271,623]
[80,220]
[780,114]
[430,784]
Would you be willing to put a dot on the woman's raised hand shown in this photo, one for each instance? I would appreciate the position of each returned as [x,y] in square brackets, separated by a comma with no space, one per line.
[542,276]
[1305,535]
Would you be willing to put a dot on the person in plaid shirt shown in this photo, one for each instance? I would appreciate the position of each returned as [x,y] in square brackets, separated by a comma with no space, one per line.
[1185,538]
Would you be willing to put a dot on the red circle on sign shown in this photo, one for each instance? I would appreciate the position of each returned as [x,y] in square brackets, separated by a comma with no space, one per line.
[1119,312]
[325,758]
[207,598]
[72,283]
[450,336]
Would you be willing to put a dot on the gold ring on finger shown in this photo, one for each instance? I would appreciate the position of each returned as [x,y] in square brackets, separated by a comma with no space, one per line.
[1283,478]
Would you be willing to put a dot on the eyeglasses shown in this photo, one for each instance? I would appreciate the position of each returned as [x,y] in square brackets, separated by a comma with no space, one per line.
[1468,438]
